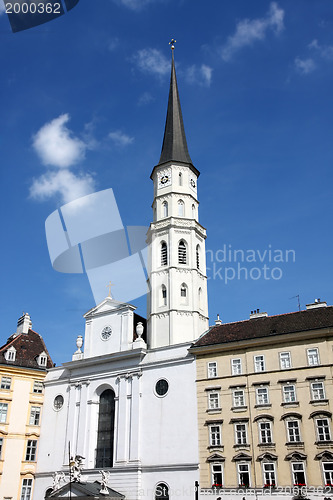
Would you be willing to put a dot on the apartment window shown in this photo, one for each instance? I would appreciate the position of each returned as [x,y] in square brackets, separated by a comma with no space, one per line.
[259,363]
[38,387]
[236,366]
[34,415]
[293,431]
[217,474]
[240,434]
[1,445]
[262,396]
[289,393]
[26,489]
[317,391]
[243,471]
[323,429]
[298,472]
[328,473]
[164,254]
[285,360]
[181,253]
[3,412]
[265,432]
[238,398]
[313,356]
[213,400]
[5,383]
[30,455]
[215,435]
[268,470]
[212,369]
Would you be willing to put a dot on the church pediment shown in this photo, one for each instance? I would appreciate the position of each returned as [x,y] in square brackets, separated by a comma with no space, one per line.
[106,306]
[84,491]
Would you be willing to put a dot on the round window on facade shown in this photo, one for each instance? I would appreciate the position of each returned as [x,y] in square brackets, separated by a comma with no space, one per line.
[161,387]
[58,402]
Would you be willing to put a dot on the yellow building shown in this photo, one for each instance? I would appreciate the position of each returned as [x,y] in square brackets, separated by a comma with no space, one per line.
[23,363]
[265,396]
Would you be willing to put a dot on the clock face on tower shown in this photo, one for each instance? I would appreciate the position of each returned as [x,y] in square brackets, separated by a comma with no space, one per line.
[106,332]
[192,183]
[164,179]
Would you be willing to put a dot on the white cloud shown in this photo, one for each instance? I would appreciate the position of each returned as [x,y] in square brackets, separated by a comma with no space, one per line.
[152,61]
[304,66]
[64,183]
[56,145]
[120,139]
[325,51]
[201,75]
[145,98]
[134,4]
[249,31]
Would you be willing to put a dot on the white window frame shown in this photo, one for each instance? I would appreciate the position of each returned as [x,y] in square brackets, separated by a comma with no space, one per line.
[328,480]
[289,392]
[38,387]
[270,478]
[317,393]
[42,359]
[26,489]
[238,398]
[1,446]
[236,366]
[215,435]
[240,430]
[262,396]
[239,472]
[313,356]
[218,470]
[265,432]
[259,363]
[212,369]
[181,208]
[6,383]
[323,430]
[35,414]
[293,431]
[165,209]
[294,471]
[31,450]
[213,400]
[3,412]
[10,354]
[285,360]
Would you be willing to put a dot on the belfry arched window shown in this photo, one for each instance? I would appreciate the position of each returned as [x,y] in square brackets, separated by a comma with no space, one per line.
[164,254]
[183,293]
[181,208]
[163,295]
[200,297]
[165,209]
[105,434]
[193,211]
[197,256]
[162,492]
[180,179]
[181,252]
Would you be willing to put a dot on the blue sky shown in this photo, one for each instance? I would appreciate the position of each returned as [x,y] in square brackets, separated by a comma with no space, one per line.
[83,105]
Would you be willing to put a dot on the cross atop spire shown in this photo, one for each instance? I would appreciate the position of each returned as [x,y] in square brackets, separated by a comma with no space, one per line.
[174,146]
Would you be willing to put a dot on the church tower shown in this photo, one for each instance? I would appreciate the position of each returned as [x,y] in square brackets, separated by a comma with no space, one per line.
[177,298]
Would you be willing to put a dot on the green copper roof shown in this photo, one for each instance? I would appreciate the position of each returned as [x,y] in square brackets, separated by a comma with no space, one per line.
[174,146]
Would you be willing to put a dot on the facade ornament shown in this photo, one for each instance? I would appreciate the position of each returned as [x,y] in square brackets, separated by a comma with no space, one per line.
[105,478]
[76,466]
[57,478]
[78,354]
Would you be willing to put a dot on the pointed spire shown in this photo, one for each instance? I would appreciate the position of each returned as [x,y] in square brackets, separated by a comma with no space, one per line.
[174,146]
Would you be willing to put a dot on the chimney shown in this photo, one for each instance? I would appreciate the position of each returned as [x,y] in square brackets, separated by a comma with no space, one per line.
[218,321]
[257,314]
[317,303]
[23,324]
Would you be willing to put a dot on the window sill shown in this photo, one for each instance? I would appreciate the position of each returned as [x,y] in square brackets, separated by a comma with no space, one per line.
[266,445]
[211,411]
[242,447]
[298,444]
[238,408]
[264,406]
[324,444]
[318,402]
[291,404]
[214,447]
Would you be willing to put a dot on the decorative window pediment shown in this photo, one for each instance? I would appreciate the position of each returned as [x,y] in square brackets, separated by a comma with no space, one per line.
[296,455]
[215,457]
[263,416]
[324,455]
[291,415]
[242,457]
[267,457]
[321,413]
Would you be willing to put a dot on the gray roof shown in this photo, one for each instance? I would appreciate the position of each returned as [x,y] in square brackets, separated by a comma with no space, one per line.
[174,146]
[85,490]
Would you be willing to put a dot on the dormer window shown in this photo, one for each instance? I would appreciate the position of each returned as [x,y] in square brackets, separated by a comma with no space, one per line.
[42,359]
[10,354]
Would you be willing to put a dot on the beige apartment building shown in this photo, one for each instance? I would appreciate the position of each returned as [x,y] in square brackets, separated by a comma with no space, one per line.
[24,360]
[265,397]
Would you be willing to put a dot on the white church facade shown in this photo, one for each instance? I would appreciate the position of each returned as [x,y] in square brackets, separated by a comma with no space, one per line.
[127,403]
